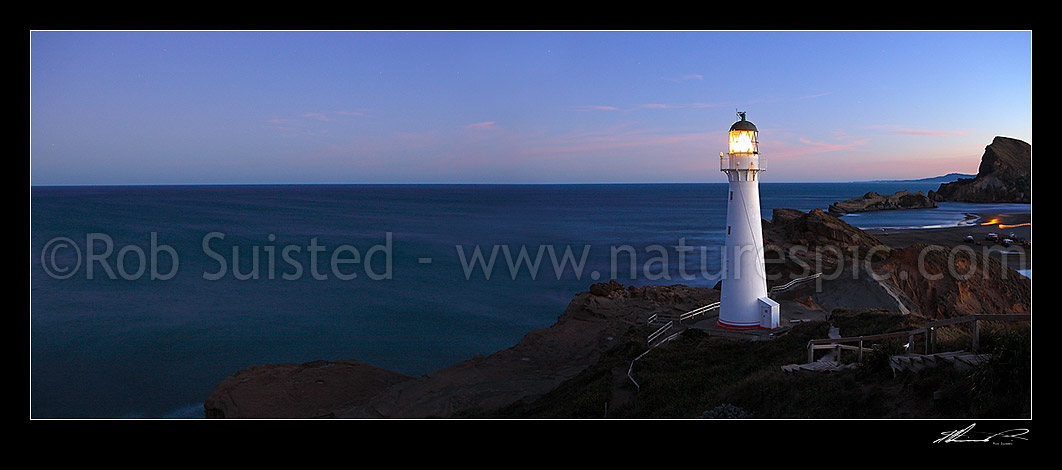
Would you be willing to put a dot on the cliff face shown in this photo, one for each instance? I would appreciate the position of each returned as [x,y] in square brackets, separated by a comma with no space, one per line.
[944,283]
[593,322]
[1005,175]
[879,202]
[930,281]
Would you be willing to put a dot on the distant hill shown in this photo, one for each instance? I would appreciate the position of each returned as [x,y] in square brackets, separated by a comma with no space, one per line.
[948,178]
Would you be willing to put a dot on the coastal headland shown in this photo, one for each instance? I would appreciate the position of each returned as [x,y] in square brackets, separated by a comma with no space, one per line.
[880,271]
[821,270]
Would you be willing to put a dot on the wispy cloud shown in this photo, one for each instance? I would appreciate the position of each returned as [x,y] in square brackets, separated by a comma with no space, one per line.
[802,146]
[593,142]
[309,122]
[926,132]
[817,95]
[481,125]
[677,105]
[317,116]
[897,130]
[595,107]
[331,115]
[822,147]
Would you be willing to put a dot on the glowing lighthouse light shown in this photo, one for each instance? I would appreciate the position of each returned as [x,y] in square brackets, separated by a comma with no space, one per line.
[743,303]
[743,141]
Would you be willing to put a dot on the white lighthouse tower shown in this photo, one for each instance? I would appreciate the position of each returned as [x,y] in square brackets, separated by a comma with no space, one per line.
[744,303]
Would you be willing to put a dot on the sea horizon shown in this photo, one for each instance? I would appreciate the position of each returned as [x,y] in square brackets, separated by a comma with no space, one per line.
[473,183]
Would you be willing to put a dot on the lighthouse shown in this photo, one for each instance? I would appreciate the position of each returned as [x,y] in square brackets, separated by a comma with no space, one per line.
[744,304]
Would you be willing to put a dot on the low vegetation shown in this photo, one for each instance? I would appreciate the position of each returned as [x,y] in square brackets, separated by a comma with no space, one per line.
[698,376]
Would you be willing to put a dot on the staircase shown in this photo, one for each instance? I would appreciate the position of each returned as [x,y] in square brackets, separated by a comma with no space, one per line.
[819,366]
[961,360]
[827,363]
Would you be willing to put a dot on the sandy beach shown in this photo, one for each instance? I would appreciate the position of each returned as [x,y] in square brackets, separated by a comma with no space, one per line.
[1002,223]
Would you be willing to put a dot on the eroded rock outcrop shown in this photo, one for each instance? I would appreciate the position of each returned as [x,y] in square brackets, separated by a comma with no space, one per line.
[1004,175]
[800,243]
[873,201]
[950,282]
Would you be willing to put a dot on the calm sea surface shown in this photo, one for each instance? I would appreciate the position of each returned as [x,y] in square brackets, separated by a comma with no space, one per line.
[144,298]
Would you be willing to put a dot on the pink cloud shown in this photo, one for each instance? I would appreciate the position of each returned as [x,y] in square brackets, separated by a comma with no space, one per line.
[925,132]
[804,146]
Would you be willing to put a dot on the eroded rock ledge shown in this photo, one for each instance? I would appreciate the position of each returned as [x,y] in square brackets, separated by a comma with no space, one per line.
[872,201]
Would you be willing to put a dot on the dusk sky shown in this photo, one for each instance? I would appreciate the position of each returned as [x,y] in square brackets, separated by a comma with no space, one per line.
[221,107]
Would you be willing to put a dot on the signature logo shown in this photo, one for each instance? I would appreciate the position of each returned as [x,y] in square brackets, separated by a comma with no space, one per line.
[1000,438]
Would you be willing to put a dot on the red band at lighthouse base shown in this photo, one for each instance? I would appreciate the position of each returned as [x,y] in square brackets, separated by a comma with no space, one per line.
[740,327]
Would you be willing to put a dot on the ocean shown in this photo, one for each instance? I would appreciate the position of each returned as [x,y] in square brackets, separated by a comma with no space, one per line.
[144,298]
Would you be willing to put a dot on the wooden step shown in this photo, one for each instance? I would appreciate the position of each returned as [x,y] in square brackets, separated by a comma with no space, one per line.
[961,360]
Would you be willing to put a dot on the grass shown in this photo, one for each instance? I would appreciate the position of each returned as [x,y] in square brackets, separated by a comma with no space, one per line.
[697,375]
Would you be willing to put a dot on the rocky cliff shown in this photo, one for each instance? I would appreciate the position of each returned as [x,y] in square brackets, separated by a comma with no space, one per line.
[922,280]
[930,281]
[879,202]
[800,243]
[1005,175]
[593,322]
[942,283]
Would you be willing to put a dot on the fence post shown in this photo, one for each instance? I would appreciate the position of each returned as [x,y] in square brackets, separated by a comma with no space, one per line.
[860,350]
[976,336]
[811,353]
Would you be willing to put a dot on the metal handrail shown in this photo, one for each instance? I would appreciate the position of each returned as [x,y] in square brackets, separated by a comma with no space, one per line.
[684,316]
[793,283]
[660,331]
